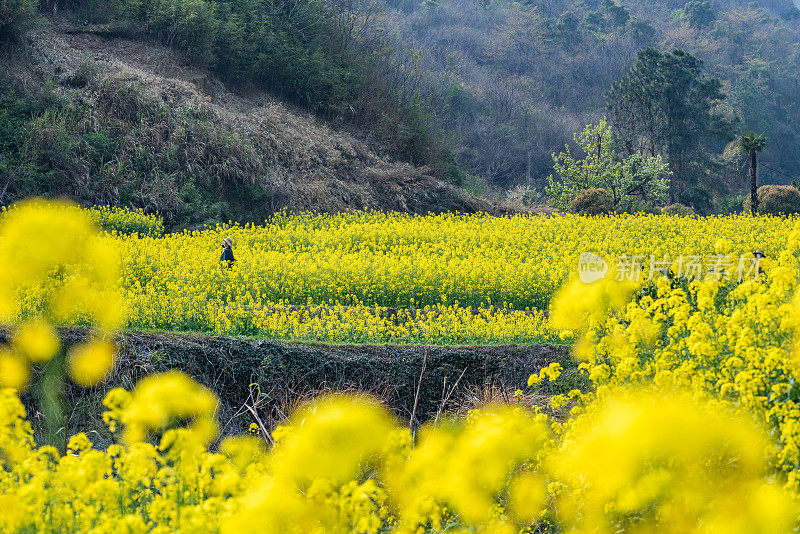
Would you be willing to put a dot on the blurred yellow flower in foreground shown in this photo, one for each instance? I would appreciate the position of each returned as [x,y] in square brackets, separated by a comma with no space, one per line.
[168,398]
[14,370]
[88,363]
[58,260]
[58,269]
[669,462]
[635,461]
[37,341]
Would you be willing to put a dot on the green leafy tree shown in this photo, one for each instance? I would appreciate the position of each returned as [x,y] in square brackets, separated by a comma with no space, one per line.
[642,32]
[632,181]
[618,14]
[752,102]
[665,105]
[568,29]
[751,144]
[698,14]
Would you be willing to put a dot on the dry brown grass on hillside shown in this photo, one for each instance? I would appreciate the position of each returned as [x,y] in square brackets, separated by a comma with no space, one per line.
[304,163]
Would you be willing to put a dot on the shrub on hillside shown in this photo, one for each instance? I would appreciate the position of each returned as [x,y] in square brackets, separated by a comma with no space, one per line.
[125,139]
[592,202]
[16,17]
[306,52]
[635,181]
[729,205]
[678,209]
[776,200]
[523,197]
[189,25]
[780,199]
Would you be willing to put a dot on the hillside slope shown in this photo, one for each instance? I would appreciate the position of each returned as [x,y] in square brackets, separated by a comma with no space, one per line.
[514,80]
[135,124]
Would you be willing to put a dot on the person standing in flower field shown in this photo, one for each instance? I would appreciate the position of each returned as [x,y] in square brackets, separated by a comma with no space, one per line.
[758,255]
[227,258]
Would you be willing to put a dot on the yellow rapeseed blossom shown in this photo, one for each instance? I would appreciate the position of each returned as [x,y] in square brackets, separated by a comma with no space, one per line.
[664,461]
[14,370]
[37,341]
[642,460]
[551,372]
[687,378]
[732,341]
[162,400]
[465,466]
[377,277]
[88,363]
[61,269]
[391,278]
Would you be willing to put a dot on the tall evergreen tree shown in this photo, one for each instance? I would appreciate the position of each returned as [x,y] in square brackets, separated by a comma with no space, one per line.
[665,105]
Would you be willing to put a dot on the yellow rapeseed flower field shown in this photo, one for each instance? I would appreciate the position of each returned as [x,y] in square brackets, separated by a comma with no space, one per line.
[344,277]
[692,426]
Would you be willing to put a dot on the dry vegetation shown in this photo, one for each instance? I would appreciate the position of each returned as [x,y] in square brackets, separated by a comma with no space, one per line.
[274,377]
[257,154]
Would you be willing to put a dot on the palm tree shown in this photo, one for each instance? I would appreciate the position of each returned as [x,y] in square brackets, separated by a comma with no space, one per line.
[751,143]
